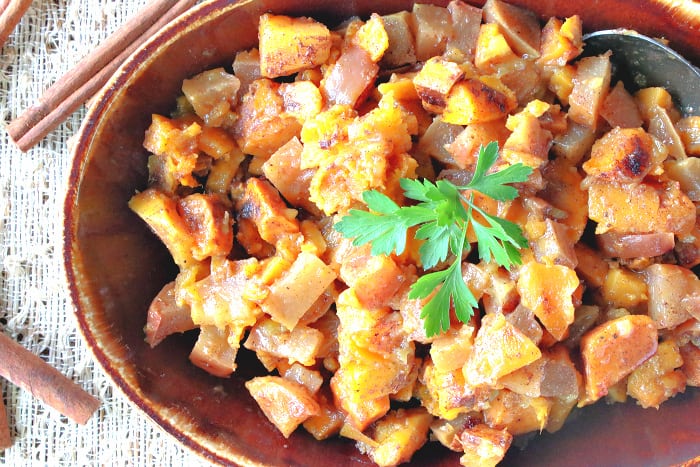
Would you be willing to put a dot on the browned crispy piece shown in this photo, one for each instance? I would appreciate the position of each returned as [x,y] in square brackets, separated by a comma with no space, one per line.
[289,45]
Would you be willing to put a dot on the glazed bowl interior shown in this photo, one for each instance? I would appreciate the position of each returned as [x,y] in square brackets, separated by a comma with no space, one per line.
[115,266]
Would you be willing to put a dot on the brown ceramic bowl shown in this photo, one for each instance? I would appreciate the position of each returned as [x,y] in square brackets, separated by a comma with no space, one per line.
[115,265]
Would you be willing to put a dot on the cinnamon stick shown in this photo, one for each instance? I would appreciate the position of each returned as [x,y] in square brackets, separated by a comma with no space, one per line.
[5,437]
[30,372]
[90,73]
[10,16]
[3,5]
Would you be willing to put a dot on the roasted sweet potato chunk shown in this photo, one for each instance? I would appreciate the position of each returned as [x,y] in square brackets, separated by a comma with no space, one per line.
[489,361]
[289,45]
[478,100]
[615,349]
[548,291]
[285,403]
[658,379]
[484,445]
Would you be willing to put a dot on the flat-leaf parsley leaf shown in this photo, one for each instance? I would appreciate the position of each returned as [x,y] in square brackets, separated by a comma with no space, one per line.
[442,215]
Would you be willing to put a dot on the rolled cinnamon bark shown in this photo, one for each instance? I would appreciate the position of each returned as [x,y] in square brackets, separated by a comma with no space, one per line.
[5,438]
[30,372]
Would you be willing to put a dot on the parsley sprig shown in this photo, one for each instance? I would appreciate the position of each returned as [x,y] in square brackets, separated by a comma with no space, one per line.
[443,214]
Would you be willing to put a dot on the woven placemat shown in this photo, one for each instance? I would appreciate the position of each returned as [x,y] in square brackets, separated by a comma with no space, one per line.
[35,306]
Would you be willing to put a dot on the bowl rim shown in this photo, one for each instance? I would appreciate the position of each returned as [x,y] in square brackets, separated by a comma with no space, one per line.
[127,72]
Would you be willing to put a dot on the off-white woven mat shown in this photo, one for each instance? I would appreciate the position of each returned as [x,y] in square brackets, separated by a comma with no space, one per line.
[34,304]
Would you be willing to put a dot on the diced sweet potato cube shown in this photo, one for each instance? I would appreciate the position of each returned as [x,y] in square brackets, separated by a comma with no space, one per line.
[466,22]
[213,353]
[298,345]
[434,81]
[689,130]
[263,205]
[401,85]
[591,85]
[483,445]
[375,356]
[446,394]
[690,354]
[285,403]
[625,154]
[619,108]
[302,99]
[372,37]
[210,224]
[263,124]
[561,82]
[160,212]
[658,379]
[613,350]
[516,413]
[375,278]
[616,207]
[548,290]
[624,289]
[499,348]
[520,26]
[362,410]
[220,298]
[223,171]
[216,142]
[526,380]
[674,294]
[478,100]
[450,350]
[399,435]
[289,45]
[298,288]
[348,162]
[491,48]
[402,49]
[212,93]
[174,145]
[166,317]
[528,143]
[561,41]
[248,237]
[328,421]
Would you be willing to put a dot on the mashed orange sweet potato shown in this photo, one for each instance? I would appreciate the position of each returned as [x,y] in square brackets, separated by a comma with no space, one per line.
[254,167]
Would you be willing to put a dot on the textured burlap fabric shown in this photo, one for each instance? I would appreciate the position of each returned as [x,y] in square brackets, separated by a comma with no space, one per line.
[35,307]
